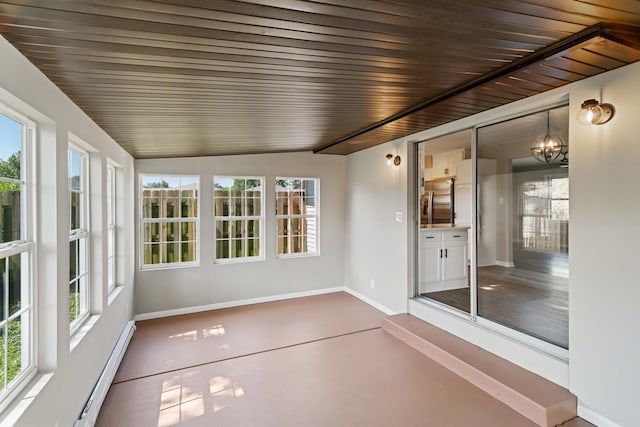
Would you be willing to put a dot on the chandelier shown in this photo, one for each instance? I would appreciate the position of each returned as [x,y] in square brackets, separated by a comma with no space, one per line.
[548,147]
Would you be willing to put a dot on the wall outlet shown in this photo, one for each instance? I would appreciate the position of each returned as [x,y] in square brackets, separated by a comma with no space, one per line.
[398,216]
[372,283]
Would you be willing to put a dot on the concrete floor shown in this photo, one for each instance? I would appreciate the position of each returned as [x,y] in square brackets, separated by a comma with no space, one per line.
[316,361]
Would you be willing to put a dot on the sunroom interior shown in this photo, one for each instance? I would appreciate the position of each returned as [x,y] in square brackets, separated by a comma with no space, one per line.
[158,159]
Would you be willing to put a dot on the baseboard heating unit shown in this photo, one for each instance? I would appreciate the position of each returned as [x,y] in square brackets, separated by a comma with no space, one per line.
[92,408]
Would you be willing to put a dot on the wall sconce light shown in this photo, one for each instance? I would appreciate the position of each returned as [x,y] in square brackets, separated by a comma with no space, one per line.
[549,147]
[393,160]
[594,113]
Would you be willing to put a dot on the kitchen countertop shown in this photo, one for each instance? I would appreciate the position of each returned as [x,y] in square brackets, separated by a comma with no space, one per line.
[444,227]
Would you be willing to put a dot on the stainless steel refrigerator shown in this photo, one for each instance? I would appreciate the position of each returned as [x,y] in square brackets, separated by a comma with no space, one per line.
[437,202]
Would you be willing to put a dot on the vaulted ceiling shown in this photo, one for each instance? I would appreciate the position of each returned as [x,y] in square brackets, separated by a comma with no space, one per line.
[176,78]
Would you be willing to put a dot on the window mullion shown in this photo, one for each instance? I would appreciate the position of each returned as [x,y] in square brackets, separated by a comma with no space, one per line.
[5,290]
[14,248]
[5,355]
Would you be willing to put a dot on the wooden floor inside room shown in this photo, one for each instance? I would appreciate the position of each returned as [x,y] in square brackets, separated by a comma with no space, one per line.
[530,302]
[315,361]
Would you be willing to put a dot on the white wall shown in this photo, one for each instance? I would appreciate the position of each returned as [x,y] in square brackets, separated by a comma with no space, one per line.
[66,376]
[209,283]
[604,231]
[377,245]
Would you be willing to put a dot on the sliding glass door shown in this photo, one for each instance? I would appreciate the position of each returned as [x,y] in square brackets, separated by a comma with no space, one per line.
[515,274]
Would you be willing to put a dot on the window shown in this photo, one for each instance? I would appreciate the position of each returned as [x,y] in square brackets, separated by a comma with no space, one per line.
[297,216]
[545,214]
[78,237]
[111,227]
[169,220]
[16,255]
[239,218]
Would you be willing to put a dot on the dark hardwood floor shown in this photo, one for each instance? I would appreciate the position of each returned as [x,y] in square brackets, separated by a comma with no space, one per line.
[527,301]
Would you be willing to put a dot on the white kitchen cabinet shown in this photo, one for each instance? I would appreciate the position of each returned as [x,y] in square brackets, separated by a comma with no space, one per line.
[444,163]
[430,261]
[443,260]
[455,260]
[463,171]
[462,203]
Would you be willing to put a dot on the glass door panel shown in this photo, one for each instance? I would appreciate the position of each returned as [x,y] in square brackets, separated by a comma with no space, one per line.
[444,204]
[522,227]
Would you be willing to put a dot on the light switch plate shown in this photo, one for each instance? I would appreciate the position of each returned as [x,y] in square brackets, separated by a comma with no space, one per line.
[399,216]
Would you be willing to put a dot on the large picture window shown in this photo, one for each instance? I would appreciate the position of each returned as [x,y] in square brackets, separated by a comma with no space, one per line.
[169,220]
[17,333]
[239,218]
[297,216]
[78,236]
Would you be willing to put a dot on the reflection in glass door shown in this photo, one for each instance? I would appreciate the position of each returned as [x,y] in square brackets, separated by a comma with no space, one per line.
[522,228]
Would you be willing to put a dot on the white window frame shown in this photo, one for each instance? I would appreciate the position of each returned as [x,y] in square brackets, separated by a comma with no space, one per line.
[160,221]
[81,236]
[112,245]
[230,217]
[548,180]
[24,247]
[306,216]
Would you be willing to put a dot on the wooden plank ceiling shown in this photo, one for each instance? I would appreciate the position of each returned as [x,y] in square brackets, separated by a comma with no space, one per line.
[193,78]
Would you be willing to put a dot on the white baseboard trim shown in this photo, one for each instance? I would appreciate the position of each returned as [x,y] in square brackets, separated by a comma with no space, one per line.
[594,417]
[506,264]
[369,301]
[94,403]
[236,303]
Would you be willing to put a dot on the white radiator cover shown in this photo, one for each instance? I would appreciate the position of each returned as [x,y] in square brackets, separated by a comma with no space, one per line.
[94,403]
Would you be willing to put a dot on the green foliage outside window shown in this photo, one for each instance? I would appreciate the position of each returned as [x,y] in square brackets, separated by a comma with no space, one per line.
[14,356]
[74,303]
[10,168]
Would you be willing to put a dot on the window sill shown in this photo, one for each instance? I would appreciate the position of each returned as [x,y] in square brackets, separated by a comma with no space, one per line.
[227,261]
[82,331]
[153,267]
[117,290]
[301,255]
[20,404]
